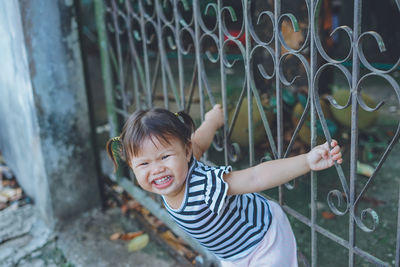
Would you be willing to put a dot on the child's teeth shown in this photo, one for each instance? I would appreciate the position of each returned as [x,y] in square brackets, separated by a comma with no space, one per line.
[160,181]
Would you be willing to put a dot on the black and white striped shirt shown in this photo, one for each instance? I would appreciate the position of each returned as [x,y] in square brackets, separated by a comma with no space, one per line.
[228,226]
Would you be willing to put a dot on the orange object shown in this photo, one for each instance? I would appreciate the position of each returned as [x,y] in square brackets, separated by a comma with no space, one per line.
[115,236]
[131,235]
[328,215]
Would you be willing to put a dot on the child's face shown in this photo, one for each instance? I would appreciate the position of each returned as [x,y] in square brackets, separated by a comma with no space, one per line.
[161,168]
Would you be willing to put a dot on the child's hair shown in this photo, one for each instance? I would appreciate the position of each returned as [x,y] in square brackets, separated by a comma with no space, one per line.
[154,123]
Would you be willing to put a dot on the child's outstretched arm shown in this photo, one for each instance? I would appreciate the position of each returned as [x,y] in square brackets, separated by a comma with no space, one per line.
[274,173]
[204,135]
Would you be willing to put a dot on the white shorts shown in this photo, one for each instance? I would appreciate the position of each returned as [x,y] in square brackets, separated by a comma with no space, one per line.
[278,247]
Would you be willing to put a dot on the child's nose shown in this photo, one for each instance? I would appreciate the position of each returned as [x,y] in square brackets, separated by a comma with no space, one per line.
[158,168]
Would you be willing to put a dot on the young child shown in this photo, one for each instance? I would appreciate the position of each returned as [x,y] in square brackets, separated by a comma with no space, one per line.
[215,205]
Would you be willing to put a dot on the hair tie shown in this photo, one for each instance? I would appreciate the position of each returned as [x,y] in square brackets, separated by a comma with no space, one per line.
[179,117]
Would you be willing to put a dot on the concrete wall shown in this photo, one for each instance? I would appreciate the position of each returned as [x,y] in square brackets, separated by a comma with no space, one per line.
[45,127]
[19,129]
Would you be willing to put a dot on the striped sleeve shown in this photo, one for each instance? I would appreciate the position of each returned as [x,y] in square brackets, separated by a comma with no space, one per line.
[216,188]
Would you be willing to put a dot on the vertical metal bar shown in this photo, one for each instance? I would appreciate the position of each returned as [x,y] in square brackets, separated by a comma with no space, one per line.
[145,57]
[196,14]
[162,54]
[106,67]
[313,118]
[179,56]
[121,79]
[137,70]
[354,131]
[135,60]
[279,114]
[196,17]
[222,71]
[154,81]
[136,87]
[249,92]
[126,63]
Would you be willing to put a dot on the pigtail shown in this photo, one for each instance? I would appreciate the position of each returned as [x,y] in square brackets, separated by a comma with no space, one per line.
[186,120]
[114,151]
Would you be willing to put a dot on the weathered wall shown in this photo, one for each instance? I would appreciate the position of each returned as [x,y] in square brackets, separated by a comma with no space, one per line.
[45,134]
[19,130]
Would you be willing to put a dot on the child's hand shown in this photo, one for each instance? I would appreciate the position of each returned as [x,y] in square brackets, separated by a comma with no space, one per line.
[215,116]
[320,158]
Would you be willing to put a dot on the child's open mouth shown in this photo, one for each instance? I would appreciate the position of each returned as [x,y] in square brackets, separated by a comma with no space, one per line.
[163,182]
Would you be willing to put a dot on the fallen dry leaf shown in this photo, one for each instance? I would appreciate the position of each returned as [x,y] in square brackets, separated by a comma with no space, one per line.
[328,215]
[9,183]
[177,244]
[10,194]
[17,194]
[138,242]
[3,199]
[115,236]
[365,169]
[131,235]
[133,205]
[168,235]
[124,209]
[118,189]
[144,211]
[153,221]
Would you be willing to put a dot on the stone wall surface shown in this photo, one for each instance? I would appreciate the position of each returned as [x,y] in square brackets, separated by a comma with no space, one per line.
[19,130]
[45,126]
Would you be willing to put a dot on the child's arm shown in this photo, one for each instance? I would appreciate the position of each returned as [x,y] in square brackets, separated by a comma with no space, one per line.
[204,135]
[274,173]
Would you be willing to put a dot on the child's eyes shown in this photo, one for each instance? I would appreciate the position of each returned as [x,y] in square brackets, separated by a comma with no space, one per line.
[141,164]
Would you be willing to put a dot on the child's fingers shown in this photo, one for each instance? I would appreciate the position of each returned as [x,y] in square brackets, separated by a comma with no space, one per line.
[335,150]
[334,143]
[337,156]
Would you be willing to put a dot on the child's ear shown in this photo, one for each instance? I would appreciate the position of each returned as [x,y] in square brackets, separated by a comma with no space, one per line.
[188,150]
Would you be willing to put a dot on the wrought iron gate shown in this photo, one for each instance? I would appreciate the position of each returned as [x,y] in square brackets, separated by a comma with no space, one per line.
[181,55]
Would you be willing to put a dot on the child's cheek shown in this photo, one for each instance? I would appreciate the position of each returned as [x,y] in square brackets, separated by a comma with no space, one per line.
[137,174]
